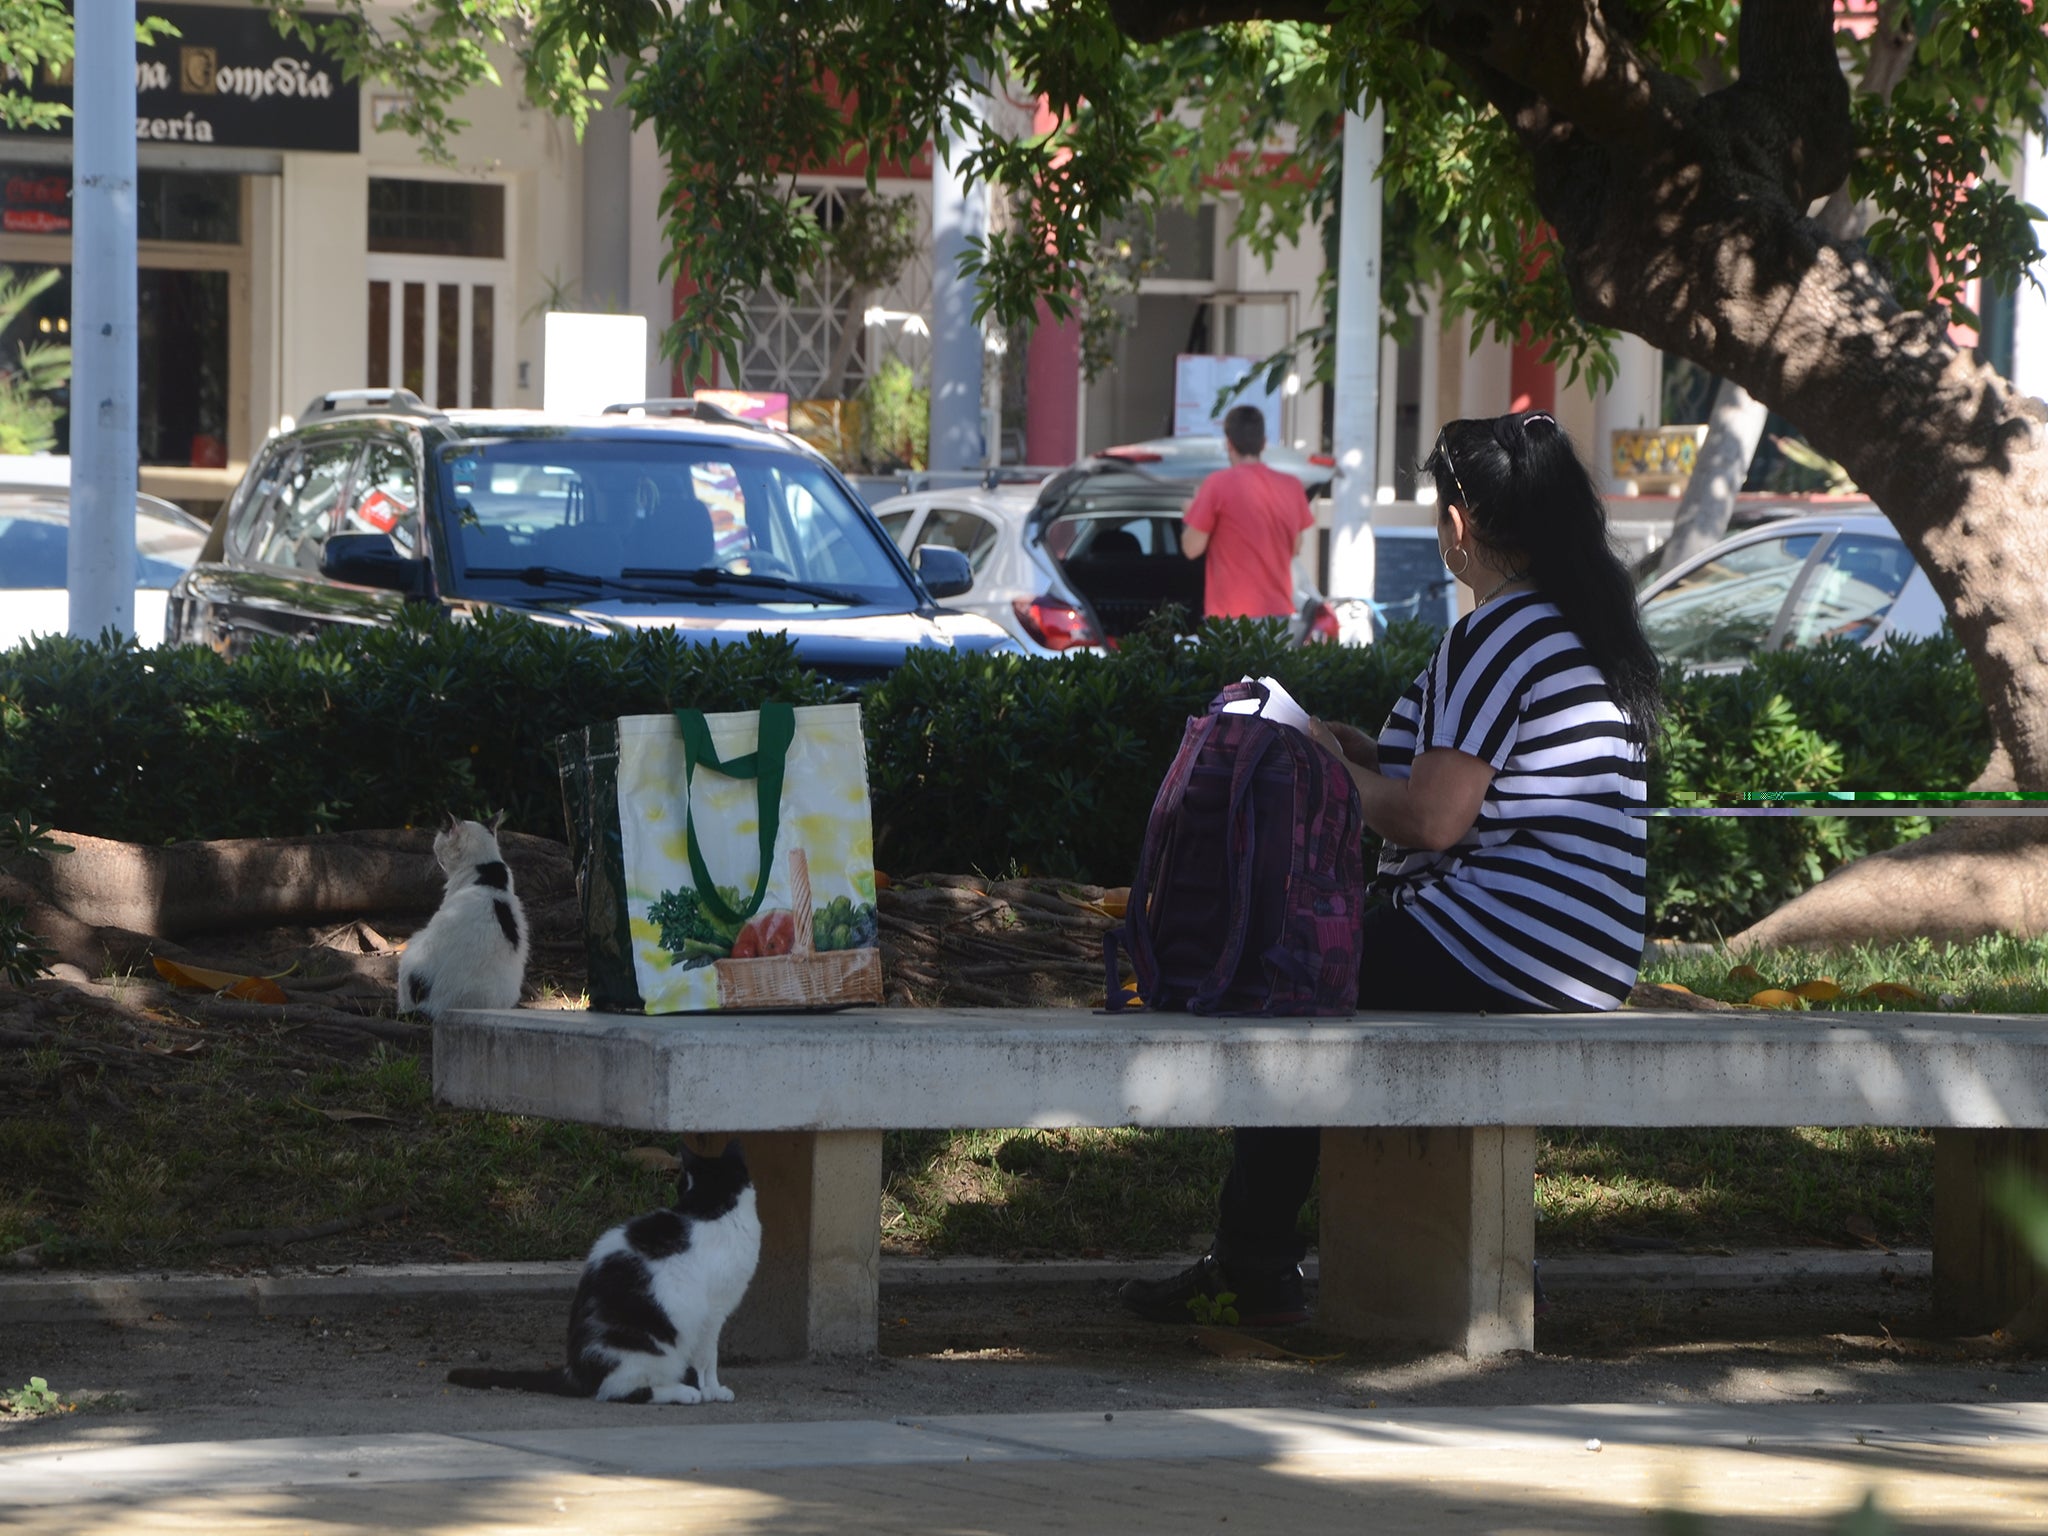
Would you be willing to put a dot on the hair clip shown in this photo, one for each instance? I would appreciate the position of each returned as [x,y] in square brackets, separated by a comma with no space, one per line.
[1535,416]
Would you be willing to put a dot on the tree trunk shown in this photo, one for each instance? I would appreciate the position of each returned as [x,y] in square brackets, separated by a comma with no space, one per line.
[1734,427]
[1682,218]
[851,329]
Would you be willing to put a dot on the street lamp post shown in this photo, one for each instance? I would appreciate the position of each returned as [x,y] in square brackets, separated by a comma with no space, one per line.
[1355,413]
[101,560]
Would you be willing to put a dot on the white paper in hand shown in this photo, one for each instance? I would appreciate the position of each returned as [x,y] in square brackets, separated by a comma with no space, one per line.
[1279,707]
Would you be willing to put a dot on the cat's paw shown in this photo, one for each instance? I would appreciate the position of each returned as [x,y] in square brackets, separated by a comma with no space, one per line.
[718,1394]
[677,1393]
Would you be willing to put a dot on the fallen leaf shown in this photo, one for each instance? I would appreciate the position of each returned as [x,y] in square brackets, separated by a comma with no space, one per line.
[1672,986]
[1229,1344]
[255,989]
[1822,989]
[1774,997]
[1891,992]
[1745,973]
[1863,1229]
[658,1158]
[882,881]
[182,1048]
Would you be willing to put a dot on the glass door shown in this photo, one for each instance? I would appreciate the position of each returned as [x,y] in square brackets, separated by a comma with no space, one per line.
[437,327]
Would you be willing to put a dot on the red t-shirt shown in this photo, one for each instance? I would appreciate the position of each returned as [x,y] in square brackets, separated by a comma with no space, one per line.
[1253,516]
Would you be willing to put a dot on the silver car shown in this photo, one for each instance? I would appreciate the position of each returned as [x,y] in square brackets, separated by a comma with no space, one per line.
[1798,581]
[35,537]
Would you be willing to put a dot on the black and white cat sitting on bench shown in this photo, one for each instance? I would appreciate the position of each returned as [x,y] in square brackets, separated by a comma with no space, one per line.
[655,1294]
[472,953]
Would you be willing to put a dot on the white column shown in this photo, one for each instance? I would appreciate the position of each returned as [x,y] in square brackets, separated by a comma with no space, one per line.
[325,279]
[959,213]
[1355,410]
[649,292]
[1633,400]
[2030,304]
[100,566]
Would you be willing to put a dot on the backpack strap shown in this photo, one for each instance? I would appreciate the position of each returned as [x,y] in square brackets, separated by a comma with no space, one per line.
[1241,848]
[1152,856]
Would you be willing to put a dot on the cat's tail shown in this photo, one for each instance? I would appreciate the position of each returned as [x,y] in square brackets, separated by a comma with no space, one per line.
[556,1382]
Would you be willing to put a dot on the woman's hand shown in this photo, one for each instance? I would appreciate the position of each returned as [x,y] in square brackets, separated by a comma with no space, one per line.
[1348,741]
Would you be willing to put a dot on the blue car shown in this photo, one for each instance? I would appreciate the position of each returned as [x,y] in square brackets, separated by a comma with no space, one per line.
[662,514]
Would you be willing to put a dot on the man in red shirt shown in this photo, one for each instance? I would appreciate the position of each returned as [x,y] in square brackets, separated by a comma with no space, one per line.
[1248,519]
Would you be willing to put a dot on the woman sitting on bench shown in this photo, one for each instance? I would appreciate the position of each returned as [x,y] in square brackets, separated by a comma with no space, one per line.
[1503,783]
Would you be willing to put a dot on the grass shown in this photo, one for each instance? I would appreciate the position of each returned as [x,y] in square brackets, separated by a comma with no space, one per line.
[104,1171]
[243,1142]
[1991,975]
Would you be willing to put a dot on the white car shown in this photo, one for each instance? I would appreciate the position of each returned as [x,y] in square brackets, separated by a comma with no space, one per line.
[1797,581]
[35,532]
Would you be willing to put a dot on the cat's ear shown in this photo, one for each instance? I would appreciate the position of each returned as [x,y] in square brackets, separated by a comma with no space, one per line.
[497,821]
[454,821]
[734,1153]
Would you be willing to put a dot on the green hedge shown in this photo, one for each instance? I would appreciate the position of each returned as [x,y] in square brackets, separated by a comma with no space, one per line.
[977,762]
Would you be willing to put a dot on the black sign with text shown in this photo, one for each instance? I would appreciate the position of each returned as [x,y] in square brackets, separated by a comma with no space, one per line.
[228,78]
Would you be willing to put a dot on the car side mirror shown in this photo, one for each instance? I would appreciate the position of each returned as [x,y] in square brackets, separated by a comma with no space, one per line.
[372,560]
[944,572]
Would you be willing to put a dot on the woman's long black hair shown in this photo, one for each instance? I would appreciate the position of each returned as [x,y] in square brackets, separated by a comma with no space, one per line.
[1530,500]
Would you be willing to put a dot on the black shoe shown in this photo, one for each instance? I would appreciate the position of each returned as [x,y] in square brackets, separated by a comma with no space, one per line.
[1269,1300]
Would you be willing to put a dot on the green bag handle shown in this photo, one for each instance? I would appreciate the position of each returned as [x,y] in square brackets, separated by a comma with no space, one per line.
[765,766]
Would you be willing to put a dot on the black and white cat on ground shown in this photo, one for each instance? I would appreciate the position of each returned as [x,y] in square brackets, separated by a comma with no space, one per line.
[655,1294]
[472,953]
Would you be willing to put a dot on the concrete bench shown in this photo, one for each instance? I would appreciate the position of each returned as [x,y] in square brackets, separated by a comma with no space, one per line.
[1429,1140]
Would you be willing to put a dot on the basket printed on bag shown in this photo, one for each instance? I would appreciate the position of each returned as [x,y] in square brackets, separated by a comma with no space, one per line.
[806,977]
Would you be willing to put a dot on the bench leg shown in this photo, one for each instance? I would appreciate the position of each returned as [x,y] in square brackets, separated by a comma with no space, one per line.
[1983,1273]
[1429,1236]
[815,1291]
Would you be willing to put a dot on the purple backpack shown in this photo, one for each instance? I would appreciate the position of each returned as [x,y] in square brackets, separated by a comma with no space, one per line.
[1251,883]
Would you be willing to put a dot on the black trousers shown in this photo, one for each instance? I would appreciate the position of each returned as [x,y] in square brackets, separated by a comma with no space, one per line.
[1400,966]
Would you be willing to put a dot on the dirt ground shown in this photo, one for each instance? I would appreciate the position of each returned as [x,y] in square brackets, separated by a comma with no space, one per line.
[980,1348]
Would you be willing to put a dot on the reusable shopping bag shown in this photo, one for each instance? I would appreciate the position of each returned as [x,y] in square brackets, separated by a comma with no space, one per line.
[724,861]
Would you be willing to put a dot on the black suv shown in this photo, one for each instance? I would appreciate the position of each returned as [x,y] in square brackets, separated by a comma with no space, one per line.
[665,513]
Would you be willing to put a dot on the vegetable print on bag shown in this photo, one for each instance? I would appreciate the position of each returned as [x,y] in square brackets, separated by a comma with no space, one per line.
[749,859]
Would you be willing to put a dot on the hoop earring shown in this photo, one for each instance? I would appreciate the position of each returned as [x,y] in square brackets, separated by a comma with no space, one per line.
[1459,570]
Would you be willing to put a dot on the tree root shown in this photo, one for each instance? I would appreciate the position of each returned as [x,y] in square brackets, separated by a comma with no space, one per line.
[1967,879]
[107,904]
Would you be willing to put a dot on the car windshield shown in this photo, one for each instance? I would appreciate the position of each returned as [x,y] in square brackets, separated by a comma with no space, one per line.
[35,534]
[642,520]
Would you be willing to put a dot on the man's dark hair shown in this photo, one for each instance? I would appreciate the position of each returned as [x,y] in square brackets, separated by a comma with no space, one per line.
[1244,426]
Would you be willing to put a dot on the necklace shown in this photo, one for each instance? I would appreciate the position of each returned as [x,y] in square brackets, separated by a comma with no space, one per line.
[1501,586]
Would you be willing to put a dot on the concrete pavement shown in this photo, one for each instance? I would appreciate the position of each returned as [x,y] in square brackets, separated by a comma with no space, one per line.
[1766,1468]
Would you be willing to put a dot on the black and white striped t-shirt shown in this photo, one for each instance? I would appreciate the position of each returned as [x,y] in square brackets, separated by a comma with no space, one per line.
[1543,896]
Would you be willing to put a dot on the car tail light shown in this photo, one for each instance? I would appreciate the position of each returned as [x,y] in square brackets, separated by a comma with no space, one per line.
[1055,624]
[1322,460]
[1133,455]
[1323,628]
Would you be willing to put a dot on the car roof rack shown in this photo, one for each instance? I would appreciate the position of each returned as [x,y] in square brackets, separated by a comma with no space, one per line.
[380,402]
[696,410]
